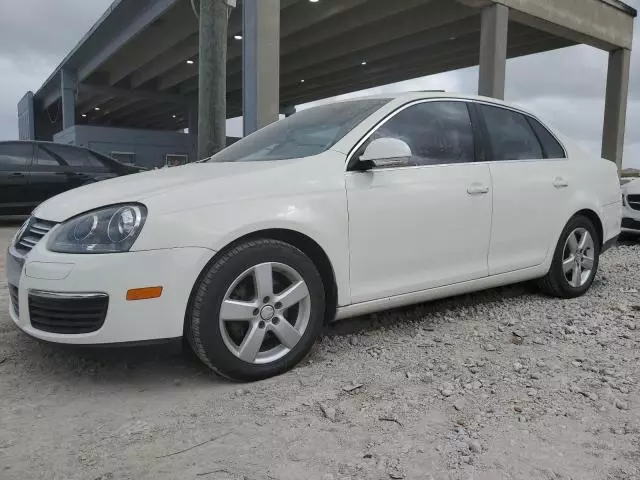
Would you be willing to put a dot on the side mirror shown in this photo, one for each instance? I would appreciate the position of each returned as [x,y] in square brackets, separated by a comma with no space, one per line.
[386,152]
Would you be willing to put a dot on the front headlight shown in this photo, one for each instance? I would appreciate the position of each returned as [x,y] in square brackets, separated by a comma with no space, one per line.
[107,230]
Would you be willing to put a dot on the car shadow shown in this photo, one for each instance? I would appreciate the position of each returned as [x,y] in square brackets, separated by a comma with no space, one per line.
[427,312]
[138,368]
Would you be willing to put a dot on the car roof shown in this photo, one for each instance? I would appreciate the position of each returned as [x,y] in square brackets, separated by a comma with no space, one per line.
[429,94]
[406,97]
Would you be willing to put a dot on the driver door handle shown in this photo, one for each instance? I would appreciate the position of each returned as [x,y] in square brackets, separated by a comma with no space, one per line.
[477,189]
[560,182]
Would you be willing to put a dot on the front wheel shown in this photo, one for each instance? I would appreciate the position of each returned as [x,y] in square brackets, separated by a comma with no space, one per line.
[257,310]
[575,261]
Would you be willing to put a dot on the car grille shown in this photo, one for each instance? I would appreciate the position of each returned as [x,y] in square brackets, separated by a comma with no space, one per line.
[36,229]
[13,295]
[58,313]
[634,201]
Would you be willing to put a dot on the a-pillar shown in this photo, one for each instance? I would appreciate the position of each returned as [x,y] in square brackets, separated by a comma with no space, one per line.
[68,88]
[493,51]
[615,108]
[261,63]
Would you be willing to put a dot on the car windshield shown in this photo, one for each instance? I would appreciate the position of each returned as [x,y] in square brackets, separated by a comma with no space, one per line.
[306,133]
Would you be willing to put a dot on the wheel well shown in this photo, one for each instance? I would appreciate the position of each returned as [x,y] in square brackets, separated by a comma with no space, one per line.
[309,247]
[595,219]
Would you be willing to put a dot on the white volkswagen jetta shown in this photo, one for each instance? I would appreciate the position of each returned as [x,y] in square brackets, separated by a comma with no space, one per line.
[339,210]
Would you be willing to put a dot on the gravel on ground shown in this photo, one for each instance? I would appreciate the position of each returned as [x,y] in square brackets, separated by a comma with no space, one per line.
[502,384]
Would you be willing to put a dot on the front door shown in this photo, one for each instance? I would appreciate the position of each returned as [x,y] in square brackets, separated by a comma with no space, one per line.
[423,225]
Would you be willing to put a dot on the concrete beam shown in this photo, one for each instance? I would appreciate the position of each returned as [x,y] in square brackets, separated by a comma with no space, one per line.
[177,25]
[131,94]
[176,55]
[114,105]
[261,60]
[150,112]
[493,51]
[56,92]
[122,114]
[68,87]
[615,109]
[444,36]
[452,61]
[305,40]
[155,10]
[594,22]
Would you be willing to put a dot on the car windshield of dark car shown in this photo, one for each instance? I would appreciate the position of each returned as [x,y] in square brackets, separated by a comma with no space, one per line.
[306,133]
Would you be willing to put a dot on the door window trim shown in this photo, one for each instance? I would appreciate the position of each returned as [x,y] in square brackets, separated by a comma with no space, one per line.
[483,141]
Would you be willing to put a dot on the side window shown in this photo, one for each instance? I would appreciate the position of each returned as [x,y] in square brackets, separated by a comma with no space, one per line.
[510,135]
[551,147]
[95,163]
[45,158]
[437,132]
[15,156]
[52,155]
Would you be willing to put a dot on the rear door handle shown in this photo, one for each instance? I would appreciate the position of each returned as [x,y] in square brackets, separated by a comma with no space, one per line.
[17,174]
[560,182]
[477,189]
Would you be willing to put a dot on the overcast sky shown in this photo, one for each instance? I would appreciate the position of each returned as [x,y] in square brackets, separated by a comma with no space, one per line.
[564,87]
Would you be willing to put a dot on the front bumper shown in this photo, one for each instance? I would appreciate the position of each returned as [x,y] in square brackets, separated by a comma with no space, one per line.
[176,270]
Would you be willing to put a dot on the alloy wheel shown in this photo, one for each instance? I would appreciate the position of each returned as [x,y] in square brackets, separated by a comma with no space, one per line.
[265,312]
[578,257]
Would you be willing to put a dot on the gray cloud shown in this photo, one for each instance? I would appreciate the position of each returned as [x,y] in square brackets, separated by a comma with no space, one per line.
[35,35]
[564,87]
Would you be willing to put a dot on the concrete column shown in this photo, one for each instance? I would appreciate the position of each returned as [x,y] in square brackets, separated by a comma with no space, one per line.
[493,51]
[212,77]
[615,108]
[261,63]
[68,88]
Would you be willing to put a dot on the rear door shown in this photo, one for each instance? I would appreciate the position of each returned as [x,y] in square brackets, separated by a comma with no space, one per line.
[531,186]
[15,197]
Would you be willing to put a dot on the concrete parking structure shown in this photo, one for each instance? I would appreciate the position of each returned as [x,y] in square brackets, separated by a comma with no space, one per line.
[138,66]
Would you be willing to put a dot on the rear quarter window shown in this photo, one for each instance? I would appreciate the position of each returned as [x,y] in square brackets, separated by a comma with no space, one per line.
[551,146]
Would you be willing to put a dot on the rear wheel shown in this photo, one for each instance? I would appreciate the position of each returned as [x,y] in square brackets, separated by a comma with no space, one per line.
[257,311]
[575,261]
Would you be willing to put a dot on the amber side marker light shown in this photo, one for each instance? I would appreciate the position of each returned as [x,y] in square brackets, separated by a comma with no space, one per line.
[144,293]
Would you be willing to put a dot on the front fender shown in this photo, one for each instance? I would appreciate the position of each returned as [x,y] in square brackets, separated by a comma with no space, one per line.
[321,216]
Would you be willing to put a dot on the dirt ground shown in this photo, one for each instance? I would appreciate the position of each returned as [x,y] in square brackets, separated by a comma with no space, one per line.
[504,384]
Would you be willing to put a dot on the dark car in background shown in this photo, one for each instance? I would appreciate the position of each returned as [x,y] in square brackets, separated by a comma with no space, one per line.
[32,171]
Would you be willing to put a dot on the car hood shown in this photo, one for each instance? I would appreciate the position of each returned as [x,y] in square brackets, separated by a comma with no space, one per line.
[177,186]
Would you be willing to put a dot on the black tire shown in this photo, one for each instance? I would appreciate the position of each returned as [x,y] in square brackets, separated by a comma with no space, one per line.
[555,283]
[203,329]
